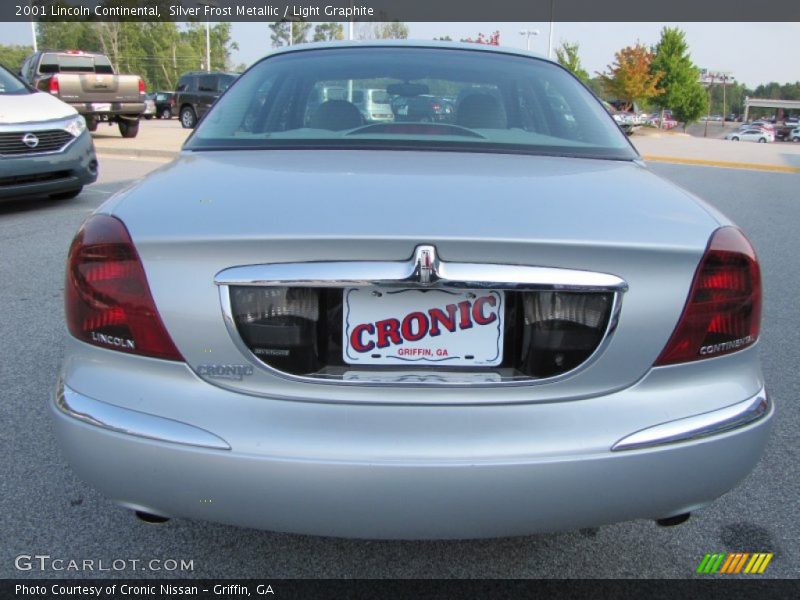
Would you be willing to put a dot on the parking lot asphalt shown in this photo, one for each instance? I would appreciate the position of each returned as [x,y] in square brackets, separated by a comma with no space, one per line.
[47,510]
[163,139]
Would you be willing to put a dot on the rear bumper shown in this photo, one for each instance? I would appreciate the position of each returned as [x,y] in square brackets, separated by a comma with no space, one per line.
[324,470]
[128,109]
[39,175]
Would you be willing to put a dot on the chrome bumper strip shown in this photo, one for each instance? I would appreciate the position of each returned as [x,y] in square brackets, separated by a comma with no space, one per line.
[699,426]
[132,422]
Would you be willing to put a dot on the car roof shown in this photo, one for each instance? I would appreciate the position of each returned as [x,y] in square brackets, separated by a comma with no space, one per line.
[433,44]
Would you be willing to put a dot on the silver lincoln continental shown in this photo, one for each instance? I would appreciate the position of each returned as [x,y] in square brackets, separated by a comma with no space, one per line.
[483,319]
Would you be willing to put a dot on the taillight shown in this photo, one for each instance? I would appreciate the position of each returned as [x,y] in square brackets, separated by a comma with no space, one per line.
[54,84]
[107,299]
[723,311]
[142,88]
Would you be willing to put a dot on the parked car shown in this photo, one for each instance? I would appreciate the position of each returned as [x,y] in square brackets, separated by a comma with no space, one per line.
[795,135]
[197,91]
[375,105]
[149,106]
[751,134]
[87,82]
[766,125]
[45,149]
[165,104]
[411,329]
[423,108]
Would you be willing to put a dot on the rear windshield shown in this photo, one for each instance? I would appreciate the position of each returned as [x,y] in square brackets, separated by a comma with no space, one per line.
[75,63]
[449,99]
[10,85]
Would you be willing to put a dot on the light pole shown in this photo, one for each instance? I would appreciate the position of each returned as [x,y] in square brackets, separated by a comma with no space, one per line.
[550,36]
[213,4]
[33,29]
[528,33]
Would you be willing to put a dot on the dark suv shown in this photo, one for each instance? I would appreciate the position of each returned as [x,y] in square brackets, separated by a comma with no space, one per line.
[197,91]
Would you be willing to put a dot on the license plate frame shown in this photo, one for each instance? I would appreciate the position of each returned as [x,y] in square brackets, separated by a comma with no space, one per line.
[463,328]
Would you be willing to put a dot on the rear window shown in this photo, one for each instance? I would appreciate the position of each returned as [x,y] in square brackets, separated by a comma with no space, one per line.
[75,63]
[440,99]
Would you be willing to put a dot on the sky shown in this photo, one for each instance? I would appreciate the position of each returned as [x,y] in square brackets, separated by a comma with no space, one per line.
[753,52]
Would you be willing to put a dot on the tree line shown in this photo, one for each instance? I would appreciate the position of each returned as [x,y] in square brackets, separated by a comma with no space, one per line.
[158,52]
[665,77]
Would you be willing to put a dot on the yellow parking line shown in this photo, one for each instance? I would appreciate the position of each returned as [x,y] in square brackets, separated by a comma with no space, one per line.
[721,163]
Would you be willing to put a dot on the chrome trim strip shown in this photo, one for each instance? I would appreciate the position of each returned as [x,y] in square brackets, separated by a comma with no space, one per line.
[699,426]
[407,274]
[132,422]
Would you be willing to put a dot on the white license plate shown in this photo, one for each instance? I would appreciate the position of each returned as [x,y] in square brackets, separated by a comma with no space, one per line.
[417,327]
[101,106]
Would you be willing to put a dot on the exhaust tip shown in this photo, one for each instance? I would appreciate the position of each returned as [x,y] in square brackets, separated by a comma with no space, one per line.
[150,517]
[672,521]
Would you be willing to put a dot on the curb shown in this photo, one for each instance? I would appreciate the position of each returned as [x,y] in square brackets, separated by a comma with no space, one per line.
[169,154]
[721,163]
[136,152]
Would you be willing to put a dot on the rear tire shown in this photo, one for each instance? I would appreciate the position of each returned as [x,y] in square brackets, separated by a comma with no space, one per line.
[91,123]
[762,140]
[188,117]
[148,117]
[166,114]
[67,195]
[128,129]
[734,139]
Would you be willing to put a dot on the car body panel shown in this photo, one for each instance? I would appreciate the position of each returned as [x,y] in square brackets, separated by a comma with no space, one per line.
[32,108]
[409,471]
[552,226]
[608,441]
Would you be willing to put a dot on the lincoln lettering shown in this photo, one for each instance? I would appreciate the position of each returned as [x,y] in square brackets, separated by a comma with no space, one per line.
[417,325]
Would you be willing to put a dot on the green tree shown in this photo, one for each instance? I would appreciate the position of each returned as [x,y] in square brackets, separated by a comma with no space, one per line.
[394,30]
[280,31]
[12,57]
[691,106]
[567,56]
[327,32]
[680,88]
[629,78]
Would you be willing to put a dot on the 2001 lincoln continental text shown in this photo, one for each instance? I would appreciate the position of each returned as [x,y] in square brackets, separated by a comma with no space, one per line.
[411,290]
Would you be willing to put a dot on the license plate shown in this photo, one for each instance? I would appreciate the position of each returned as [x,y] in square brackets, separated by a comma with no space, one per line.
[418,327]
[101,106]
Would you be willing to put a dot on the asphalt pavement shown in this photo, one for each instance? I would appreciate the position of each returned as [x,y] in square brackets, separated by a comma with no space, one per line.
[46,510]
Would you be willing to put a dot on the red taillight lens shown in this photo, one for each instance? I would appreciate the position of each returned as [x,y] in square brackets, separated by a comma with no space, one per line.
[107,299]
[723,311]
[142,88]
[54,84]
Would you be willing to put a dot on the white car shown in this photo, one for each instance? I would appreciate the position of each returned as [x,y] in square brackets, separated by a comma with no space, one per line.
[751,134]
[45,149]
[794,136]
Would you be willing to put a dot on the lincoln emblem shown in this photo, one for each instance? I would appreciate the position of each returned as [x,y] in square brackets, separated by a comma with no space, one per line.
[425,264]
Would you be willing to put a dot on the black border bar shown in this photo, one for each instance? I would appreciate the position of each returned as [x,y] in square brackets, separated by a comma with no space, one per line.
[707,588]
[404,10]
